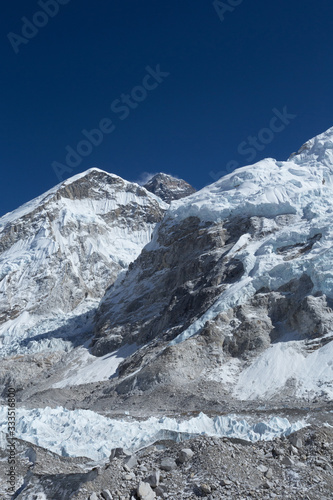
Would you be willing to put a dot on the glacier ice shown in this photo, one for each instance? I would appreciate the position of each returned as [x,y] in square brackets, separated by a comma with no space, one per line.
[86,433]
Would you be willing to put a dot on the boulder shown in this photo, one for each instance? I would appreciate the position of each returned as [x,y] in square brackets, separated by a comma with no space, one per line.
[107,495]
[145,492]
[185,455]
[269,473]
[117,453]
[154,479]
[168,464]
[205,489]
[295,441]
[287,461]
[130,462]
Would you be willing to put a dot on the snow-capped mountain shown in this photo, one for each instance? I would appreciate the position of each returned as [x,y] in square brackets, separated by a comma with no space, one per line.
[123,317]
[59,253]
[169,188]
[221,287]
[236,286]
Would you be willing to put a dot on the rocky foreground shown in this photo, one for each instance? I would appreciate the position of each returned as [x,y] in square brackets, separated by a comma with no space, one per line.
[297,467]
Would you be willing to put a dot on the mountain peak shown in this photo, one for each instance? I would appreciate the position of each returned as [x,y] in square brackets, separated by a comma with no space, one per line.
[91,172]
[59,252]
[169,188]
[92,183]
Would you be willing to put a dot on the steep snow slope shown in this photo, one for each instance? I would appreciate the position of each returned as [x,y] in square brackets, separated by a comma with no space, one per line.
[241,265]
[82,367]
[59,252]
[286,362]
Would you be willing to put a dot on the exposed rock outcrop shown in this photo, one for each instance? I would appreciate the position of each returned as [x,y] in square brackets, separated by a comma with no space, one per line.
[169,188]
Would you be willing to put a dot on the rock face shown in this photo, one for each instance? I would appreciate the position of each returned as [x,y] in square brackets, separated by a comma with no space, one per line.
[169,188]
[225,284]
[61,251]
[172,283]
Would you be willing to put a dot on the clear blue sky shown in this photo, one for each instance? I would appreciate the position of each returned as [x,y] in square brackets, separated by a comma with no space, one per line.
[227,72]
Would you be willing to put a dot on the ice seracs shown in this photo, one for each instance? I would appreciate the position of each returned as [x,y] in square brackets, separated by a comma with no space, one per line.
[316,150]
[82,433]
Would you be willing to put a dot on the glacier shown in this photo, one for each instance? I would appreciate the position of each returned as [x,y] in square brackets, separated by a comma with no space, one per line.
[88,434]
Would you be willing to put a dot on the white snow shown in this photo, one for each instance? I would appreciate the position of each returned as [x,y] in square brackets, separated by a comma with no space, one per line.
[233,296]
[86,433]
[287,362]
[28,333]
[226,374]
[86,368]
[301,188]
[302,366]
[30,206]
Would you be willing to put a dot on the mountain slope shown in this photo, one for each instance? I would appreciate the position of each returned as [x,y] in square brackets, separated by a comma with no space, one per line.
[236,272]
[220,303]
[61,251]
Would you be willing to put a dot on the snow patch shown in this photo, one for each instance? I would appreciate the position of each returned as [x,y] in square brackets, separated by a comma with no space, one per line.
[287,363]
[87,368]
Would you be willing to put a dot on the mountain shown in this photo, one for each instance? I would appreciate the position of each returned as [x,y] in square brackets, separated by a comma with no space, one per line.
[216,292]
[169,188]
[235,288]
[127,321]
[59,253]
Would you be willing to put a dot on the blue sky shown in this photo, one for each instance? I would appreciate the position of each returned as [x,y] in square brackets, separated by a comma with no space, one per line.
[196,88]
